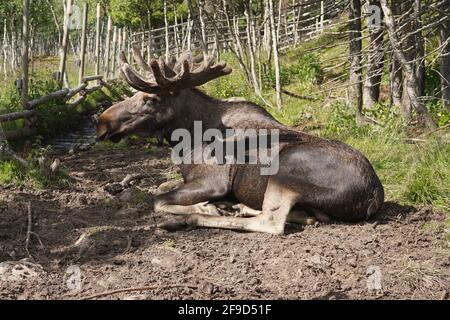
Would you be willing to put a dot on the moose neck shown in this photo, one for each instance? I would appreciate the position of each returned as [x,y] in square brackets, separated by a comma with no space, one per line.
[190,106]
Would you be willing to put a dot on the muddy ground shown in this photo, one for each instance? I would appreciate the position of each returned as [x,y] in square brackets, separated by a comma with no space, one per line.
[111,238]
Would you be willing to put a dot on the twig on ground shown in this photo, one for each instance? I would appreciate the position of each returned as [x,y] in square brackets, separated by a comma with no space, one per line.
[145,288]
[27,240]
[426,134]
[30,232]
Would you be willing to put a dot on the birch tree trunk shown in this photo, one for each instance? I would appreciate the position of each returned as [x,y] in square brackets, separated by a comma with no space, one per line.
[275,55]
[5,50]
[166,31]
[375,59]
[396,69]
[356,87]
[202,25]
[409,49]
[250,45]
[175,28]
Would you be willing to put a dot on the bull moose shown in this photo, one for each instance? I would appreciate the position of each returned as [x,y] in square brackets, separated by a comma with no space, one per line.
[324,178]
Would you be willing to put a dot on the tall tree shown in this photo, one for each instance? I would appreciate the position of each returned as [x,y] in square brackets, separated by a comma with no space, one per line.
[396,69]
[356,87]
[444,35]
[375,55]
[420,47]
[411,88]
[275,54]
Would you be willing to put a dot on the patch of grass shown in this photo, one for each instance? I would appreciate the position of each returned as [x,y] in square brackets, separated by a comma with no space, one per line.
[12,172]
[169,243]
[108,145]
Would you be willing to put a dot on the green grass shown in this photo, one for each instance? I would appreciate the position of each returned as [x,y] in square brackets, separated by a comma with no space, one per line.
[12,172]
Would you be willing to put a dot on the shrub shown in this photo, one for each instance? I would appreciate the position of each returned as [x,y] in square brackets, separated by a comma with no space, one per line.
[306,69]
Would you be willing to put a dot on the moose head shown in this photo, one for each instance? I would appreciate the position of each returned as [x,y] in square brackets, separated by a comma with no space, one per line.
[165,91]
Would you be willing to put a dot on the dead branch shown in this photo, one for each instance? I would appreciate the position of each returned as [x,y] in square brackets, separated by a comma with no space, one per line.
[145,288]
[27,240]
[295,95]
[30,232]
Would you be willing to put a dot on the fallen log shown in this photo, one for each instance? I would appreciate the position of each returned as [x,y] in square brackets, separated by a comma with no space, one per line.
[37,102]
[75,91]
[92,89]
[16,115]
[92,78]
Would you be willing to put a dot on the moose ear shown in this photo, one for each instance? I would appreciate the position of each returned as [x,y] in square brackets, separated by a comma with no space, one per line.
[189,58]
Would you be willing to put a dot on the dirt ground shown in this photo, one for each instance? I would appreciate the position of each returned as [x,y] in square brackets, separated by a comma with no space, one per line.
[110,236]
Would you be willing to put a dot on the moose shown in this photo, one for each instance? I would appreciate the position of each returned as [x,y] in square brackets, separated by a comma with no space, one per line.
[321,178]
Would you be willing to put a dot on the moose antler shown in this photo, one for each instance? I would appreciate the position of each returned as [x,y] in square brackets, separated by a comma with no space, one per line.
[164,77]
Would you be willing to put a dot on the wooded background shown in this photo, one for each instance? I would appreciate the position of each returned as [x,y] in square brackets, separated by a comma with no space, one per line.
[391,38]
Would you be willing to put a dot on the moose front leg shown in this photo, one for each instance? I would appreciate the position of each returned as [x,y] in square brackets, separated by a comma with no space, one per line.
[278,202]
[191,198]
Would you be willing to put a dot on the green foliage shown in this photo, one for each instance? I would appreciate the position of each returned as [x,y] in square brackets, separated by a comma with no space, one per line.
[432,81]
[440,113]
[411,174]
[136,13]
[10,102]
[233,85]
[341,122]
[305,70]
[428,180]
[12,172]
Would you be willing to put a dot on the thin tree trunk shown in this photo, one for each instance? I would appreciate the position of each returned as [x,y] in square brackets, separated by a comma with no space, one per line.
[275,55]
[408,70]
[444,33]
[5,51]
[375,59]
[150,37]
[175,28]
[202,25]
[166,31]
[56,21]
[237,51]
[420,54]
[410,52]
[250,45]
[356,87]
[25,51]
[396,69]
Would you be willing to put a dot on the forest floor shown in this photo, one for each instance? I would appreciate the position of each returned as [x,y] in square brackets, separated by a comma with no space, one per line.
[401,254]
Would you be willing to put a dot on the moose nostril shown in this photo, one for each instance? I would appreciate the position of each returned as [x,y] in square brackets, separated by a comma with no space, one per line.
[101,137]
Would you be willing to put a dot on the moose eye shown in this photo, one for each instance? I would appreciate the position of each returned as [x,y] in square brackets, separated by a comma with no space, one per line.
[152,100]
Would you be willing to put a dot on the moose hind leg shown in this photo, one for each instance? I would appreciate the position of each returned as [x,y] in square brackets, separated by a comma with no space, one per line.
[190,198]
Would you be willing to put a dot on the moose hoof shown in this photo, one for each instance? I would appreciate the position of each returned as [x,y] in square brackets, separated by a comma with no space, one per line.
[174,224]
[210,209]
